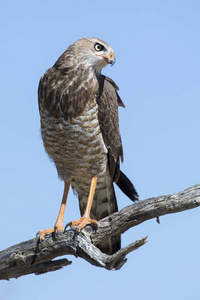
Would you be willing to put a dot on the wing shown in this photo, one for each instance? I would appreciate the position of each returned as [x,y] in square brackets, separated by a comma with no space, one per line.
[108,101]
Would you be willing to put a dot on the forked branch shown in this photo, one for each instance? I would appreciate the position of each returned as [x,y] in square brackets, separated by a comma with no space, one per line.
[36,257]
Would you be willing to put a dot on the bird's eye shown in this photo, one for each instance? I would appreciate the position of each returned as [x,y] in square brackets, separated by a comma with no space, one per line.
[98,47]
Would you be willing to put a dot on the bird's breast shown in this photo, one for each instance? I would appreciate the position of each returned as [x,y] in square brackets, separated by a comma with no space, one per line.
[76,145]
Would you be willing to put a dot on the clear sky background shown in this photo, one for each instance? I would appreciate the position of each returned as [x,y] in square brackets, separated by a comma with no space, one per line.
[157,48]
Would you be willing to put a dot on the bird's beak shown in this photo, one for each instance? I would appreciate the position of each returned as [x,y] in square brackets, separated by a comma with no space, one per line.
[110,58]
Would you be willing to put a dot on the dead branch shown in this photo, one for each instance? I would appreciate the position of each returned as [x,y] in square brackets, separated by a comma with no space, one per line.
[36,257]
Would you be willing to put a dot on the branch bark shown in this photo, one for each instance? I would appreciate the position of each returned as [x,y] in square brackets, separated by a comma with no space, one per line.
[36,257]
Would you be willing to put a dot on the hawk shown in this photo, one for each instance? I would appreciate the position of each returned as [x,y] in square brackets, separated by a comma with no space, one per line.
[80,131]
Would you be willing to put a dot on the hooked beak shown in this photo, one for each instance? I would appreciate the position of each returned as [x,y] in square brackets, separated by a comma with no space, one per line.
[112,61]
[110,58]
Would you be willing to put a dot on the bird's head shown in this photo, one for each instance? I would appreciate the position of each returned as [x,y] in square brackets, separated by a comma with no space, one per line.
[93,53]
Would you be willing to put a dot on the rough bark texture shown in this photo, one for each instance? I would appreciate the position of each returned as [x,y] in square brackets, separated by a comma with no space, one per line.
[36,257]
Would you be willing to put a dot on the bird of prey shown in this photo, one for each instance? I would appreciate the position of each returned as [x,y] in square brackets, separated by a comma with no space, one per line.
[80,131]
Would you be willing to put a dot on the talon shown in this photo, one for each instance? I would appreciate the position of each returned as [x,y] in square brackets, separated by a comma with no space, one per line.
[55,230]
[39,237]
[82,222]
[68,224]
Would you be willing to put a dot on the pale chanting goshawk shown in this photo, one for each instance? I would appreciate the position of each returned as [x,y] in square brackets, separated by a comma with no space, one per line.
[80,131]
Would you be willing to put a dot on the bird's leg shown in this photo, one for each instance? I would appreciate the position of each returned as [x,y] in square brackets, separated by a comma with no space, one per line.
[85,219]
[59,222]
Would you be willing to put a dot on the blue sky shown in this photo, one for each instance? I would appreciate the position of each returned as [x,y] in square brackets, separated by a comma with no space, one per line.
[157,46]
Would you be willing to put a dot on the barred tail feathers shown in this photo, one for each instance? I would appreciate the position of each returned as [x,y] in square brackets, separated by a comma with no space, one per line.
[104,204]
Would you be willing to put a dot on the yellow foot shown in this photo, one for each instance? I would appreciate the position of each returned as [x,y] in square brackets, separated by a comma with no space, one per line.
[82,222]
[55,229]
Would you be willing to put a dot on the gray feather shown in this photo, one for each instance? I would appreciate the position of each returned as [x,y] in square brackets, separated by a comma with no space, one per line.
[104,204]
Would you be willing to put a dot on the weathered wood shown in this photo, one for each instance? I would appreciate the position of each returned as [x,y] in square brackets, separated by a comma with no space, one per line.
[144,210]
[33,256]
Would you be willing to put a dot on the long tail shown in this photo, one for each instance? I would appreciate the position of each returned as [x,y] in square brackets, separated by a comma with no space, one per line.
[104,204]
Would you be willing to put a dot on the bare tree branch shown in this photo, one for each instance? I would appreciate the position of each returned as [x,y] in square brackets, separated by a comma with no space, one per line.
[36,257]
[144,210]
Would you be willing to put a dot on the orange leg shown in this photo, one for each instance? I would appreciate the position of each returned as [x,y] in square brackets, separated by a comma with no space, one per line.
[85,219]
[59,222]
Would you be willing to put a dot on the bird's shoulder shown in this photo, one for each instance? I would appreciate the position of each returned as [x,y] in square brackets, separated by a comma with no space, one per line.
[65,92]
[108,89]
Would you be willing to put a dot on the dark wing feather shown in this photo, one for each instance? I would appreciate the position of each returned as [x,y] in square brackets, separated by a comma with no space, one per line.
[119,100]
[108,101]
[127,187]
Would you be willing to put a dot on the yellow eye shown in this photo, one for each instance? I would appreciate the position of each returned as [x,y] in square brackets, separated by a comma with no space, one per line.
[98,47]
